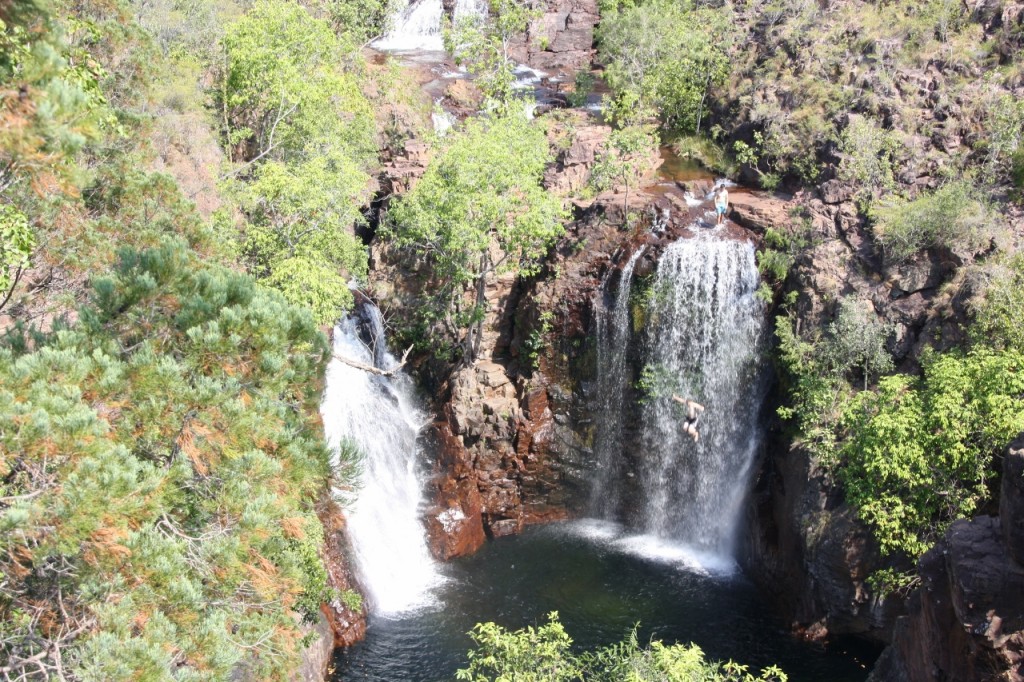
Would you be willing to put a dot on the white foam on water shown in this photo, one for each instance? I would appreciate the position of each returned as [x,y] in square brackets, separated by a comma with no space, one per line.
[615,537]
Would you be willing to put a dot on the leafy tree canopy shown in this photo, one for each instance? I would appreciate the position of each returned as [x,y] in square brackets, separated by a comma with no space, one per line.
[479,209]
[544,654]
[668,54]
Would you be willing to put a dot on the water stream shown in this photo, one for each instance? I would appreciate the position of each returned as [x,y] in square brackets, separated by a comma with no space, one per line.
[381,417]
[613,335]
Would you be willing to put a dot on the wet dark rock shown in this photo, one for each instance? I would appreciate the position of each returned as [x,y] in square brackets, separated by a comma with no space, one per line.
[1011,501]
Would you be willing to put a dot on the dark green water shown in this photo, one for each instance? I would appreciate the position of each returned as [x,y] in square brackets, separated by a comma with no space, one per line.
[600,587]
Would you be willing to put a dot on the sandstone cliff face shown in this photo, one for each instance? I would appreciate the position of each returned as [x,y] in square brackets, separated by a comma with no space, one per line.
[965,621]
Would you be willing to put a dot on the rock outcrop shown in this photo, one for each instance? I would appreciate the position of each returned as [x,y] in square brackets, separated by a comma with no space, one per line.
[347,626]
[965,622]
[810,554]
[562,38]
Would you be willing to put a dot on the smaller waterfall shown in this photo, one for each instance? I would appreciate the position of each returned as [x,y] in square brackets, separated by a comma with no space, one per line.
[418,25]
[705,334]
[613,335]
[380,416]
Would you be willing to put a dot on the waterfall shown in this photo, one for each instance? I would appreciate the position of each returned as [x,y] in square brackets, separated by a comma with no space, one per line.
[613,335]
[381,417]
[704,342]
[417,26]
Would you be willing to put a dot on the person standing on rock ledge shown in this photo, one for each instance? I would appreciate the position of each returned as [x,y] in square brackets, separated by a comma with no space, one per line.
[721,203]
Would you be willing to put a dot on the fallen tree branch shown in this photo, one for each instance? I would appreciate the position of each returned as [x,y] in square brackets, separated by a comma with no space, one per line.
[375,370]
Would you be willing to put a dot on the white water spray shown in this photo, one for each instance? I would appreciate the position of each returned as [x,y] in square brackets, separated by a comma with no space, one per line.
[704,336]
[380,416]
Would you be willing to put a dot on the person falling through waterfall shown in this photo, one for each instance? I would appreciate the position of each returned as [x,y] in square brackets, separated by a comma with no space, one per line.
[693,411]
[721,203]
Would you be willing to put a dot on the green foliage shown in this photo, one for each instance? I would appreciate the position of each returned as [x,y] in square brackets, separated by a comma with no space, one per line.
[158,464]
[478,210]
[918,453]
[537,340]
[284,89]
[669,54]
[352,600]
[540,654]
[290,106]
[999,315]
[544,654]
[1005,139]
[868,153]
[17,242]
[953,217]
[856,341]
[50,105]
[360,21]
[582,87]
[623,160]
[774,264]
[819,371]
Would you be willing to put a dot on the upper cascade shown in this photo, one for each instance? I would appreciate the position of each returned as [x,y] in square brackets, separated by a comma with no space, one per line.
[380,416]
[417,26]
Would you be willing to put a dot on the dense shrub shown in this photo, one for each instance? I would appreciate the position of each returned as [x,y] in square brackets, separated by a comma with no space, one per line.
[953,217]
[544,654]
[158,463]
[918,453]
[479,210]
[298,119]
[669,54]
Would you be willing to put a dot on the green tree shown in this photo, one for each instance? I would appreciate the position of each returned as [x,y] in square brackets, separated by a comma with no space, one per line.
[544,654]
[159,462]
[624,159]
[284,91]
[955,216]
[16,245]
[479,210]
[300,119]
[671,54]
[918,453]
[483,44]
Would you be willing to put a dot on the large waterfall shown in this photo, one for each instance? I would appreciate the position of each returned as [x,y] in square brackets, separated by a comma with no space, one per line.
[703,341]
[418,25]
[379,415]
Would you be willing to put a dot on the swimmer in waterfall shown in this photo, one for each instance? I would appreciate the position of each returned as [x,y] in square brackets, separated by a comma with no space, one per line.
[721,203]
[693,411]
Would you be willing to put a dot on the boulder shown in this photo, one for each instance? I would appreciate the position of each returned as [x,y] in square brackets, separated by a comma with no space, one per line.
[760,210]
[1011,501]
[965,623]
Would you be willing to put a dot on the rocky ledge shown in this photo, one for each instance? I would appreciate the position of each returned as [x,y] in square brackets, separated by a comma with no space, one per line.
[965,621]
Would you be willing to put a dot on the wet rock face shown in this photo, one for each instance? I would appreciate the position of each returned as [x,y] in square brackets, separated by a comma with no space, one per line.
[345,625]
[811,555]
[965,623]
